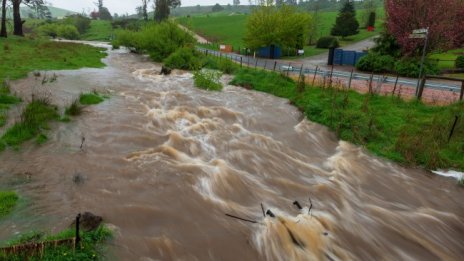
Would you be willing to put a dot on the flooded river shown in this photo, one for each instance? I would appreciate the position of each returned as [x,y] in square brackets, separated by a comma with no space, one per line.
[164,162]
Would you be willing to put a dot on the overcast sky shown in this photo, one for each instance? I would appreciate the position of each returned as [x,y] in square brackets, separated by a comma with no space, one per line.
[123,6]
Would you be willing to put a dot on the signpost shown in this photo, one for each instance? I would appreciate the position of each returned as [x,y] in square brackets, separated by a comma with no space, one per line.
[421,34]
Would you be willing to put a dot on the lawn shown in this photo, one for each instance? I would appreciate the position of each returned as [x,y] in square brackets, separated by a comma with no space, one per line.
[230,29]
[20,56]
[99,31]
[446,60]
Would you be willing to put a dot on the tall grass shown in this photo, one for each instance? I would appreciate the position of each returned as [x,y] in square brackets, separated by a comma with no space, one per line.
[8,201]
[407,132]
[33,121]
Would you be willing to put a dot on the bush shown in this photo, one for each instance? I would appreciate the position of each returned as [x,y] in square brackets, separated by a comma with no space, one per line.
[327,42]
[410,67]
[227,66]
[208,80]
[184,58]
[158,40]
[61,30]
[460,62]
[68,32]
[50,30]
[386,44]
[81,22]
[377,63]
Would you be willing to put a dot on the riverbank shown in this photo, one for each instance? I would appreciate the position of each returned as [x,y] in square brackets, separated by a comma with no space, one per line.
[408,132]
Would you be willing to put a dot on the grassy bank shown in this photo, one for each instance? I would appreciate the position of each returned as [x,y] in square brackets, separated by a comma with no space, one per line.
[21,56]
[92,246]
[34,120]
[8,200]
[407,132]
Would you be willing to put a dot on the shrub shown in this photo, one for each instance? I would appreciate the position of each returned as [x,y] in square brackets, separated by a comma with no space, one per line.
[327,42]
[184,58]
[460,62]
[158,40]
[208,80]
[386,44]
[410,67]
[68,32]
[374,62]
[227,66]
[81,22]
[50,30]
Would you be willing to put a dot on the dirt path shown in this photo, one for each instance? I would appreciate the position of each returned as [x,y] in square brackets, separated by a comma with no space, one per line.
[199,38]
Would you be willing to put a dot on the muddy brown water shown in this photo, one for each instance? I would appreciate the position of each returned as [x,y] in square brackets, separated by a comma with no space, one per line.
[164,162]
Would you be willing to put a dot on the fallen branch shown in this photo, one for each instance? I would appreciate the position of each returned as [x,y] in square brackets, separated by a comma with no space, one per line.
[243,219]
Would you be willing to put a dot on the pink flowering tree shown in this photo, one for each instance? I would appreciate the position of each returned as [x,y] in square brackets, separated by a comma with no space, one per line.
[445,19]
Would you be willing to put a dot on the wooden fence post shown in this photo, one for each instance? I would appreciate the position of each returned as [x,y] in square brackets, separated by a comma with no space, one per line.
[78,236]
[241,61]
[351,78]
[315,73]
[462,91]
[396,83]
[275,64]
[421,88]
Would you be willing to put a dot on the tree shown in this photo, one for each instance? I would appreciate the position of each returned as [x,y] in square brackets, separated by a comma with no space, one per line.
[162,8]
[17,21]
[444,18]
[3,32]
[236,2]
[346,23]
[144,9]
[217,8]
[103,12]
[282,26]
[369,7]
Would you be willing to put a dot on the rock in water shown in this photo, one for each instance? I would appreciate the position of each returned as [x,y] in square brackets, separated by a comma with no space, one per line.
[165,70]
[89,221]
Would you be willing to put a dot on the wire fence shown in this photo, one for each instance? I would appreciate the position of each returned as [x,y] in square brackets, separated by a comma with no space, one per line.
[349,78]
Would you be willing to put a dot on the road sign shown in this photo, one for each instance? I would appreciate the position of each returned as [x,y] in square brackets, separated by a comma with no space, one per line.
[420,31]
[417,36]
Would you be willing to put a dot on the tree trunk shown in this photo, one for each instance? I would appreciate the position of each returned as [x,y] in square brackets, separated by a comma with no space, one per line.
[3,32]
[18,23]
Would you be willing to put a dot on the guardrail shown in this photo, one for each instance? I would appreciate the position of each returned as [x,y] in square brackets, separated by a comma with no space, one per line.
[294,67]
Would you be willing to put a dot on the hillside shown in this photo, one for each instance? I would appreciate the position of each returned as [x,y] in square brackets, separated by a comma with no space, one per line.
[231,28]
[56,12]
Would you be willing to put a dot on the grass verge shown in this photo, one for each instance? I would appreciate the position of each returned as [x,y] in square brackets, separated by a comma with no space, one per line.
[8,200]
[92,246]
[407,132]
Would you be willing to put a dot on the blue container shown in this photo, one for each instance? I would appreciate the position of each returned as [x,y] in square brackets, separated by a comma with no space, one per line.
[270,52]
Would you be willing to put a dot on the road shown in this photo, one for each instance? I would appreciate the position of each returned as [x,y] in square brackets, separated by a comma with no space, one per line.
[320,60]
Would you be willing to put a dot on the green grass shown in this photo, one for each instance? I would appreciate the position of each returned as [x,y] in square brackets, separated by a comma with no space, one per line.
[8,200]
[446,60]
[407,132]
[230,29]
[21,56]
[34,120]
[91,98]
[74,109]
[208,79]
[99,31]
[92,245]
